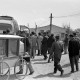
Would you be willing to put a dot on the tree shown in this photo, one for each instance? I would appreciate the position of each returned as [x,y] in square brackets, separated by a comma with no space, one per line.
[68,29]
[78,32]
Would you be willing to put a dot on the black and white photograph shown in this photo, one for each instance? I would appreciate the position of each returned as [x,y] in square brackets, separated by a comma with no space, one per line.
[39,40]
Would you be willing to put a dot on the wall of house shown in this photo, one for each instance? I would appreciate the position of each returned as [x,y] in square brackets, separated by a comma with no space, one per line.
[55,29]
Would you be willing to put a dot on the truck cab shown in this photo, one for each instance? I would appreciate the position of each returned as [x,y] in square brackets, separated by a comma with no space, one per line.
[8,23]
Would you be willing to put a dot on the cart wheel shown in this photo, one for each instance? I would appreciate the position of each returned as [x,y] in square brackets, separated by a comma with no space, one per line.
[4,71]
[20,69]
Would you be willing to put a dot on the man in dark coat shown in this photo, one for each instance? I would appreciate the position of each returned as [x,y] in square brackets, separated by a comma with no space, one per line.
[51,39]
[77,38]
[66,44]
[73,49]
[44,46]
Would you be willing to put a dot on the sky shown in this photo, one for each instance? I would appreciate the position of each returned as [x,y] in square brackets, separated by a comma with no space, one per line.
[31,12]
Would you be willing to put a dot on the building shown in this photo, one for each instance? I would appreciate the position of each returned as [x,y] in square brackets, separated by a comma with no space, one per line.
[24,28]
[56,30]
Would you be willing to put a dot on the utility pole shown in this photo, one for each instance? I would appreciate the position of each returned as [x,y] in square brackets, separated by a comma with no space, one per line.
[51,22]
[28,28]
[28,24]
[35,28]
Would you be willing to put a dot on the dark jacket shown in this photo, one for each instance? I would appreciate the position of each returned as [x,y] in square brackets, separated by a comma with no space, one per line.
[44,46]
[27,44]
[50,41]
[44,42]
[74,47]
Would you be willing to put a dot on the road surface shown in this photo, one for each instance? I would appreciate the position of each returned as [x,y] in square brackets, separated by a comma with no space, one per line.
[44,70]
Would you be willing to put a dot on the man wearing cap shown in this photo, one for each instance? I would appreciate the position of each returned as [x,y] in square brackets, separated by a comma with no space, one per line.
[57,48]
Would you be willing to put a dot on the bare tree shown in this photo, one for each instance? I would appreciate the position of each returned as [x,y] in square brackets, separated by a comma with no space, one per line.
[67,28]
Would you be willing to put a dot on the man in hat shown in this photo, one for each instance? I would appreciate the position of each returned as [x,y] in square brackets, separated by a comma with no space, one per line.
[57,48]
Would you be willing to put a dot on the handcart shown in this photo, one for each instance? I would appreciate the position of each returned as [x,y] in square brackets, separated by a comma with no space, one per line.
[11,57]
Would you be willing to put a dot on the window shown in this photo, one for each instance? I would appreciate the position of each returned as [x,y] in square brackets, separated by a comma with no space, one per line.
[9,47]
[12,48]
[3,47]
[5,26]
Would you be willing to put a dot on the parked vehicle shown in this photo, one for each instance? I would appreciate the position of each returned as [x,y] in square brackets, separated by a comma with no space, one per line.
[8,23]
[11,57]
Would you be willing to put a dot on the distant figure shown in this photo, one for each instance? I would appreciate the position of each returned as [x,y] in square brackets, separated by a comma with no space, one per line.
[57,48]
[74,47]
[33,43]
[39,43]
[44,46]
[78,39]
[66,44]
[50,41]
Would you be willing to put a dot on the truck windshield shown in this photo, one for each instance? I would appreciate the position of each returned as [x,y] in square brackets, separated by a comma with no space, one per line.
[5,26]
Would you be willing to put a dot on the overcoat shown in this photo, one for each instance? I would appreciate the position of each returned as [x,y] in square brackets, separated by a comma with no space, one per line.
[57,48]
[44,46]
[74,47]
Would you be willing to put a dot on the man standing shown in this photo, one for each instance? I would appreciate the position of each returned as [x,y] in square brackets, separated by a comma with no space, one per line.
[33,41]
[44,46]
[57,48]
[39,40]
[73,49]
[66,44]
[51,39]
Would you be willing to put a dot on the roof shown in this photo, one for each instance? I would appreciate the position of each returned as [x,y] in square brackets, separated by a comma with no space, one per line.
[6,17]
[9,20]
[10,37]
[52,26]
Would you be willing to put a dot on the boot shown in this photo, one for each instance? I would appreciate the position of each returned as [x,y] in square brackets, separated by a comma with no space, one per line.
[48,60]
[60,69]
[62,72]
[38,53]
[20,72]
[55,70]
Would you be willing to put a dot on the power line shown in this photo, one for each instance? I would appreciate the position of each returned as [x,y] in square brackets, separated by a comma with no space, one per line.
[78,14]
[72,15]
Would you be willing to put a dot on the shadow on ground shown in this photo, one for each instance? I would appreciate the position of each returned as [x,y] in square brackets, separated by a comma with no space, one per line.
[66,65]
[37,60]
[41,62]
[52,75]
[13,77]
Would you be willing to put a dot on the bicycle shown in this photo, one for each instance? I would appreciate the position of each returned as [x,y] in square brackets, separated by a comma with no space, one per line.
[21,68]
[4,69]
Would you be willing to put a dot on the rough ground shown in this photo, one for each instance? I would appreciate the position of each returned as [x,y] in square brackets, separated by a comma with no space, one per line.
[44,70]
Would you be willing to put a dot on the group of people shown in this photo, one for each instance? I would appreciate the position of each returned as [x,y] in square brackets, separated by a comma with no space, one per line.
[42,43]
[48,44]
[72,47]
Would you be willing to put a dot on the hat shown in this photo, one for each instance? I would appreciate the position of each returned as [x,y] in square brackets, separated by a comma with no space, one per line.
[71,35]
[57,37]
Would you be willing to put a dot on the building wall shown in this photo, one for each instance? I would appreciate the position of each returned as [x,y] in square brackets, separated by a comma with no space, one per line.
[56,30]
